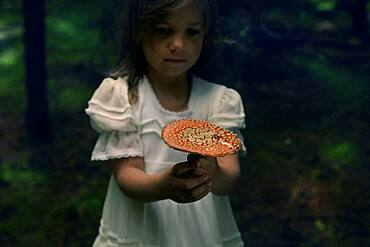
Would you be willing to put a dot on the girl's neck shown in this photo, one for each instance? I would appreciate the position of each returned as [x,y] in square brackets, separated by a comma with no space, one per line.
[172,91]
[169,83]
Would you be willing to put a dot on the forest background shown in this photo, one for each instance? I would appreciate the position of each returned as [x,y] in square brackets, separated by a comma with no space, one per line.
[302,68]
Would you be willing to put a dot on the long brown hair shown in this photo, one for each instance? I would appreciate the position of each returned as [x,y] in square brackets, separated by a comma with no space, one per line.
[139,18]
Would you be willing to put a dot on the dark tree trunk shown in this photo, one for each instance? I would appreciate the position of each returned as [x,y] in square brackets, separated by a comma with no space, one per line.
[358,12]
[360,24]
[37,113]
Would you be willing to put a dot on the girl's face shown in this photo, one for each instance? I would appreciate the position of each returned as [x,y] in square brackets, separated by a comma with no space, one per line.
[175,44]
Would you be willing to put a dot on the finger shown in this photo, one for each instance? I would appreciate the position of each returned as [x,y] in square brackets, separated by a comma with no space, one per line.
[193,196]
[181,168]
[185,172]
[191,172]
[189,163]
[199,172]
[201,191]
[200,196]
[190,183]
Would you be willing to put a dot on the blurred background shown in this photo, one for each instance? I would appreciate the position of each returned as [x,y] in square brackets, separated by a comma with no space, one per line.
[302,68]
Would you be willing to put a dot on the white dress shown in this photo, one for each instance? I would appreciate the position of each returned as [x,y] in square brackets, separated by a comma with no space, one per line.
[135,130]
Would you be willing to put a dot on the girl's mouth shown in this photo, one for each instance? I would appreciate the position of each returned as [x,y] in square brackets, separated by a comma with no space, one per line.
[175,60]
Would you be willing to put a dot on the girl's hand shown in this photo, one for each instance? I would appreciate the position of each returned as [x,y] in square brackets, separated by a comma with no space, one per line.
[224,171]
[185,182]
[209,164]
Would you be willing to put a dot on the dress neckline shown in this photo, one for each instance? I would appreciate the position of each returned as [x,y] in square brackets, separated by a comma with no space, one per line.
[156,102]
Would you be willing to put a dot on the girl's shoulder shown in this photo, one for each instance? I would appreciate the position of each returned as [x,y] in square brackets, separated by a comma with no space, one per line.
[225,103]
[208,84]
[207,89]
[216,91]
[109,107]
[112,92]
[111,85]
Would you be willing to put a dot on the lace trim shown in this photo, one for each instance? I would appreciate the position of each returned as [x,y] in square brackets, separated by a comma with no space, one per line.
[102,156]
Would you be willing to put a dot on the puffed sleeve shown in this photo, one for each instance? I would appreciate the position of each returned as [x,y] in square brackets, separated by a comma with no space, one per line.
[111,115]
[228,112]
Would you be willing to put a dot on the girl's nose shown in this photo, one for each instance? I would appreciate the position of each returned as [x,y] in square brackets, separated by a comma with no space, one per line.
[177,43]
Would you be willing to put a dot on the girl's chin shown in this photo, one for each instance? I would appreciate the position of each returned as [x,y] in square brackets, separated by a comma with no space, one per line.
[170,71]
[173,72]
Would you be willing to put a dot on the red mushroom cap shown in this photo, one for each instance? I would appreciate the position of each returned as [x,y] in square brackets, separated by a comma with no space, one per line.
[200,137]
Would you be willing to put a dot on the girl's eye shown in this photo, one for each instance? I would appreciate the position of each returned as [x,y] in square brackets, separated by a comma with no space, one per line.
[193,32]
[162,31]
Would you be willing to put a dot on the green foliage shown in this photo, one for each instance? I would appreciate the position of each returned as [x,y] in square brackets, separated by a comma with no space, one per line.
[81,40]
[325,5]
[15,176]
[342,154]
[11,72]
[347,86]
[72,99]
[72,35]
[8,58]
[11,56]
[48,213]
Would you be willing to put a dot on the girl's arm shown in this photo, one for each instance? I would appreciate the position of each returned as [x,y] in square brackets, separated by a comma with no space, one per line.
[169,184]
[223,171]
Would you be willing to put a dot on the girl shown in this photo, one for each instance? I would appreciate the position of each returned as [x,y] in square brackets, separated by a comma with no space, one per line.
[158,196]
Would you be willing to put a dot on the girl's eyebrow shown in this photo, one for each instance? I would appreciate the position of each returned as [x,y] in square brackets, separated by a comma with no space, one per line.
[195,23]
[189,24]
